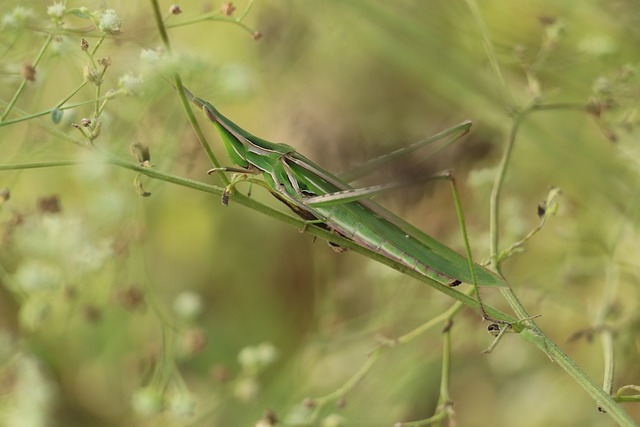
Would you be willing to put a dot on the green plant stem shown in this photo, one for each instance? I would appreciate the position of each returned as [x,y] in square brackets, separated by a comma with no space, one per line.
[533,332]
[619,397]
[185,102]
[95,49]
[246,201]
[603,399]
[512,249]
[494,204]
[387,344]
[96,112]
[498,184]
[449,314]
[71,95]
[607,301]
[211,18]
[160,25]
[355,379]
[198,131]
[246,11]
[60,106]
[217,16]
[38,165]
[446,367]
[606,337]
[628,399]
[24,81]
[507,99]
[316,231]
[467,246]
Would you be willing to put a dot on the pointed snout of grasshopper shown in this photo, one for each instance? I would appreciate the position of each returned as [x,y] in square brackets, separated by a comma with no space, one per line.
[210,114]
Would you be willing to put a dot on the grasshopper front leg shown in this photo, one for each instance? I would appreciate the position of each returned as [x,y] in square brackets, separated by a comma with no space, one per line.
[241,174]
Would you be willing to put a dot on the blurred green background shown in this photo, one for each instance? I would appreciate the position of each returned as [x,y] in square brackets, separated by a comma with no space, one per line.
[171,310]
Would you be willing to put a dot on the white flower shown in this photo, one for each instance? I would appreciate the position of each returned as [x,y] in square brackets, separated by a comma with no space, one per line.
[56,10]
[151,55]
[246,389]
[63,45]
[333,420]
[598,45]
[182,406]
[58,246]
[248,358]
[602,86]
[17,18]
[108,22]
[267,353]
[482,177]
[253,359]
[147,401]
[33,395]
[188,305]
[130,83]
[237,79]
[33,276]
[34,313]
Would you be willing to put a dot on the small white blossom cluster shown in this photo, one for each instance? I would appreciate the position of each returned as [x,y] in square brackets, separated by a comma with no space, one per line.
[56,10]
[598,45]
[149,401]
[181,406]
[255,358]
[16,18]
[109,22]
[151,55]
[32,395]
[63,244]
[130,83]
[57,251]
[188,305]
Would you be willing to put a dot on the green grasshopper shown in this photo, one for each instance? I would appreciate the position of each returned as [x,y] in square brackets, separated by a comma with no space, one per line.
[323,199]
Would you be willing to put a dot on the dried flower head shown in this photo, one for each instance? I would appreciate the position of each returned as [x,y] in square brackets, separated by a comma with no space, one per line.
[49,204]
[93,75]
[227,8]
[105,62]
[29,73]
[5,195]
[131,298]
